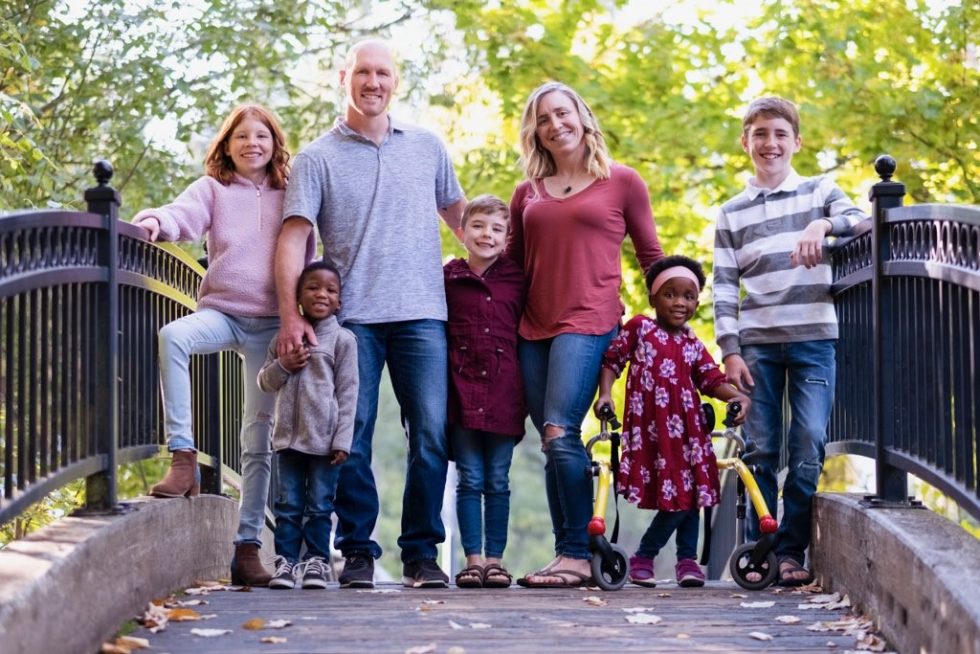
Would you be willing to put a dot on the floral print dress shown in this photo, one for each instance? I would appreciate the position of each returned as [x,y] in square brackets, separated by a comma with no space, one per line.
[668,462]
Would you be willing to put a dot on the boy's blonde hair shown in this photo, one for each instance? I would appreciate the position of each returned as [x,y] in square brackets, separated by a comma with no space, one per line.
[485,204]
[772,107]
[536,161]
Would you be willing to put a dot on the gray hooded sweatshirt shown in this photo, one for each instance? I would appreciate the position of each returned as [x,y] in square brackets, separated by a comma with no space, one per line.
[315,405]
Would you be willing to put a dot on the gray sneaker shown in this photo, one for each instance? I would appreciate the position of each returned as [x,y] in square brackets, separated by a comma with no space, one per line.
[285,575]
[313,571]
[424,573]
[358,571]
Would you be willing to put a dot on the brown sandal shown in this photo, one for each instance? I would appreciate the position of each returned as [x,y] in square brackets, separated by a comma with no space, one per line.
[496,576]
[567,579]
[470,577]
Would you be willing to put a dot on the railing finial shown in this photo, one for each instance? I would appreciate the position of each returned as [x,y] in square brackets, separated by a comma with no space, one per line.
[885,166]
[102,171]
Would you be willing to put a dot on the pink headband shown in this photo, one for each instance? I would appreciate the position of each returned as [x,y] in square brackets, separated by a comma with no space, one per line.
[670,273]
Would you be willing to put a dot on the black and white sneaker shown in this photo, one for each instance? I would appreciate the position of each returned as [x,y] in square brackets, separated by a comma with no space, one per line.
[358,571]
[285,574]
[313,571]
[424,573]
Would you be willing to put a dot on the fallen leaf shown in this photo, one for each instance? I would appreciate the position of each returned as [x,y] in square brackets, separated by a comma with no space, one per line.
[254,624]
[184,615]
[455,649]
[643,618]
[683,636]
[309,617]
[871,643]
[197,591]
[193,602]
[277,624]
[134,642]
[210,633]
[758,635]
[455,625]
[819,626]
[115,648]
[594,600]
[155,619]
[638,609]
[421,649]
[826,598]
[381,591]
[433,602]
[207,583]
[756,605]
[272,640]
[831,643]
[663,594]
[739,596]
[787,619]
[209,616]
[238,589]
[479,625]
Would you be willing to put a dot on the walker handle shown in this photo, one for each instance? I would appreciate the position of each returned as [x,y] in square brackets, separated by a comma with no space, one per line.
[606,415]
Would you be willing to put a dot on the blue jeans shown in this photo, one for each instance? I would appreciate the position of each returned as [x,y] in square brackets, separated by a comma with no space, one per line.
[204,332]
[483,468]
[415,351]
[665,523]
[809,369]
[307,485]
[561,376]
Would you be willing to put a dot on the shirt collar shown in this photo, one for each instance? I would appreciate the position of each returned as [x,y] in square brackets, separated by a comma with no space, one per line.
[394,125]
[791,183]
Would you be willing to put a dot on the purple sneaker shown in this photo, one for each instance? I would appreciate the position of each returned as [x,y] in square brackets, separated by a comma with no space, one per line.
[641,571]
[689,573]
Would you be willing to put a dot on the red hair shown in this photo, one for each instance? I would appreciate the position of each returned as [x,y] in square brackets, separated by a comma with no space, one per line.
[219,165]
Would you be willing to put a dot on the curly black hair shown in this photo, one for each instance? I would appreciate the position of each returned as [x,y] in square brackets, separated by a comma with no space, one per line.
[314,266]
[670,262]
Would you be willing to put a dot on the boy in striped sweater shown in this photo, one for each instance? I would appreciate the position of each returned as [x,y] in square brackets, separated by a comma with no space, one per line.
[769,239]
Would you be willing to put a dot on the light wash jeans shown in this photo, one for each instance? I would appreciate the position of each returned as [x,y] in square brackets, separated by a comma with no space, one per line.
[561,376]
[415,352]
[205,332]
[483,465]
[809,369]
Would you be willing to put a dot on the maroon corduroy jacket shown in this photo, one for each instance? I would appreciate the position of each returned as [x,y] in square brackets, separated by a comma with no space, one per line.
[485,389]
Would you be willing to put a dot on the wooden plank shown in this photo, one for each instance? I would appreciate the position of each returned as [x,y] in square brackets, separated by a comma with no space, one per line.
[395,619]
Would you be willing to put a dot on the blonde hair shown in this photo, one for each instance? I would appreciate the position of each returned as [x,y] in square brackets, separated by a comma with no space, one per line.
[536,161]
[219,165]
[485,205]
[772,107]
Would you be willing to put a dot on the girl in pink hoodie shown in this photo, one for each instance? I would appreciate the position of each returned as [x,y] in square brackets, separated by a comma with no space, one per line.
[238,205]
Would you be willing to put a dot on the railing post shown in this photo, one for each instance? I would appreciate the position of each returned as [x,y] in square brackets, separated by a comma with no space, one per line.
[214,404]
[100,488]
[892,483]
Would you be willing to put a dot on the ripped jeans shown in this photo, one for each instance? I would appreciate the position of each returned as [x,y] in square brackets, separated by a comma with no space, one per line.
[561,376]
[809,369]
[204,332]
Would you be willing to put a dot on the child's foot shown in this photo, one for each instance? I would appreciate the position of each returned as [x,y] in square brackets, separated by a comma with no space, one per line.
[470,577]
[314,572]
[641,571]
[284,577]
[689,573]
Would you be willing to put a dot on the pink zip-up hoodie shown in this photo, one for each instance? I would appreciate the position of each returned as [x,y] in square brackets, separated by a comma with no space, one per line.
[242,222]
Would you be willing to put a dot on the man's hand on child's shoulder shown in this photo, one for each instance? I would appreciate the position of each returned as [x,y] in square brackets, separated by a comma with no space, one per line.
[294,360]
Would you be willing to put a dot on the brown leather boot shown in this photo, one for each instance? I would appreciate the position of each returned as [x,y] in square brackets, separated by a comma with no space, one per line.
[247,568]
[182,480]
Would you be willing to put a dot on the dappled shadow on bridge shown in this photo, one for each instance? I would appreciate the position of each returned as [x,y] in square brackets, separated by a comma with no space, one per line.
[718,618]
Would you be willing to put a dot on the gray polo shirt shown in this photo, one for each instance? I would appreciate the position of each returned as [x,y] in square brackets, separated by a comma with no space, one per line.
[376,208]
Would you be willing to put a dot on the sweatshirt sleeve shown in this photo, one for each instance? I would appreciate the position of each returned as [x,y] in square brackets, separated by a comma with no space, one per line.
[188,217]
[839,209]
[346,385]
[272,376]
[725,284]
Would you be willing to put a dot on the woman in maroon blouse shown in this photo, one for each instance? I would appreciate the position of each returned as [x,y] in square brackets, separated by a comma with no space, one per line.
[568,222]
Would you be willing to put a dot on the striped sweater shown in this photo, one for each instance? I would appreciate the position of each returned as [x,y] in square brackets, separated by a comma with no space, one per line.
[756,232]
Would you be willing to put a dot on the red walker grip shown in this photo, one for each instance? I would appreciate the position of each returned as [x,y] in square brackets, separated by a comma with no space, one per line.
[597,526]
[768,524]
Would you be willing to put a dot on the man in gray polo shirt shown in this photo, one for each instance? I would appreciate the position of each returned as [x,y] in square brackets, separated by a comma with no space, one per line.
[375,189]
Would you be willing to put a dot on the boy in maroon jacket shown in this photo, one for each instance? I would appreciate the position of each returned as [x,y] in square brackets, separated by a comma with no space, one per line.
[485,294]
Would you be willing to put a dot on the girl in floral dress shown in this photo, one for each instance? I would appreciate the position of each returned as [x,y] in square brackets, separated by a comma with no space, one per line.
[668,463]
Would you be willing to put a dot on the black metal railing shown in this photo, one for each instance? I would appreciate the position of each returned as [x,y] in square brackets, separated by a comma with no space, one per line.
[82,298]
[907,292]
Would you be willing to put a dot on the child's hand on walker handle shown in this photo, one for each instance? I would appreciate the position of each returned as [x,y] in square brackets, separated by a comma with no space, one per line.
[337,457]
[603,401]
[746,406]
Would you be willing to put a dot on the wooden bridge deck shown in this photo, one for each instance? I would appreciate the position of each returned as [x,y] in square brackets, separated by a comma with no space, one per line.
[718,618]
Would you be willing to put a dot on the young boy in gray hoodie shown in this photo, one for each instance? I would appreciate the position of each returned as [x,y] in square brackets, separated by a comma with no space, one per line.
[316,395]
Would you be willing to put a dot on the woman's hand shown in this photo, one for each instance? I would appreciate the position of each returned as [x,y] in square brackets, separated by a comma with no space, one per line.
[152,226]
[295,360]
[337,457]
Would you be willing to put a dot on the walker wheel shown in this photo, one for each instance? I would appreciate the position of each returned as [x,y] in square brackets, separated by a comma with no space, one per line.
[610,573]
[741,565]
